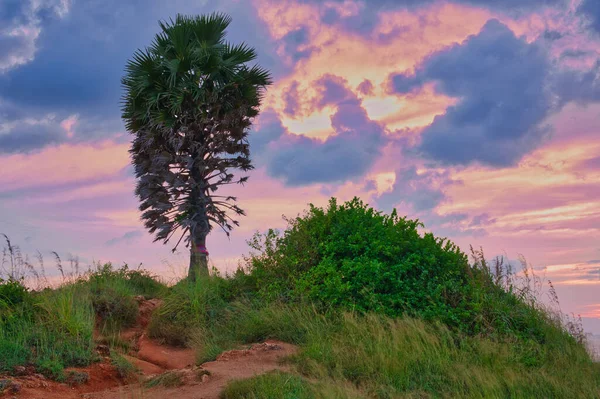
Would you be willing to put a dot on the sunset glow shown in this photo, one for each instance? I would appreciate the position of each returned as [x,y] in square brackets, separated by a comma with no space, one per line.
[481,120]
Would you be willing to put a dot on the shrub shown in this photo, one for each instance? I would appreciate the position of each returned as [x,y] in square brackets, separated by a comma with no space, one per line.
[13,293]
[114,309]
[124,367]
[126,281]
[353,257]
[113,293]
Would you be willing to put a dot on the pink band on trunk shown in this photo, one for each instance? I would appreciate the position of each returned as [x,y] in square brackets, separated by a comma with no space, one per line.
[202,249]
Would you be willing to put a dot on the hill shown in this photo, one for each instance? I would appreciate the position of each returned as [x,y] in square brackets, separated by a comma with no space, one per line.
[347,302]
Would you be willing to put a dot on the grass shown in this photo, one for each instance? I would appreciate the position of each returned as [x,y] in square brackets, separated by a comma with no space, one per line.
[529,352]
[168,379]
[271,385]
[277,384]
[376,356]
[124,367]
[188,306]
[386,358]
[52,329]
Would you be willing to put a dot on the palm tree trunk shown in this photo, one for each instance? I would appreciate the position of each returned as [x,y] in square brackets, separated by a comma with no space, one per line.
[198,252]
[198,258]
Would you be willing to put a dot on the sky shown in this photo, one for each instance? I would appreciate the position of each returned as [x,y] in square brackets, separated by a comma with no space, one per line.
[478,117]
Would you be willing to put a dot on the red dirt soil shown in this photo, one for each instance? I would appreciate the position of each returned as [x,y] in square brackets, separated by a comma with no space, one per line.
[152,358]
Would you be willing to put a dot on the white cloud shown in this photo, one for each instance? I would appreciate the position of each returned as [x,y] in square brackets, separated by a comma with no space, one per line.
[19,33]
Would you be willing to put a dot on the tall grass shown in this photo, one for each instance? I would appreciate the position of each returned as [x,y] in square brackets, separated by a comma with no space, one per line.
[387,358]
[52,328]
[372,355]
[285,386]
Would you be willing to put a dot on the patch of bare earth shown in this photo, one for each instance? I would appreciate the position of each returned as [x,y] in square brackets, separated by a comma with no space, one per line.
[154,360]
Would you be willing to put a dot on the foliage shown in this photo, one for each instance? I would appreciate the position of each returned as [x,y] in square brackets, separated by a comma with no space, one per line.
[271,385]
[115,310]
[351,256]
[124,367]
[51,331]
[75,378]
[12,293]
[190,305]
[376,356]
[125,280]
[167,379]
[53,328]
[189,100]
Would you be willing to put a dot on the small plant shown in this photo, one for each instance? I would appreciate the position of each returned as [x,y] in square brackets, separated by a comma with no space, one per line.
[75,378]
[124,367]
[169,379]
[52,368]
[114,309]
[13,293]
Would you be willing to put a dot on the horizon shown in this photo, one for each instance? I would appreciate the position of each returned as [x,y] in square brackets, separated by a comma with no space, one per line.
[479,119]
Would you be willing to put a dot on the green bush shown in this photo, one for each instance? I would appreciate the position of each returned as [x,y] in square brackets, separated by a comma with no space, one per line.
[114,309]
[352,257]
[51,330]
[13,293]
[126,281]
[113,293]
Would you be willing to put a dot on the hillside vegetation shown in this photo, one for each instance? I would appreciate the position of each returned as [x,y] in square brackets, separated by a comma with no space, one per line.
[377,308]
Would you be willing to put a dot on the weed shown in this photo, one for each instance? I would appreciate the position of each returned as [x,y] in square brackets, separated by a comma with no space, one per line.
[124,367]
[168,379]
[75,378]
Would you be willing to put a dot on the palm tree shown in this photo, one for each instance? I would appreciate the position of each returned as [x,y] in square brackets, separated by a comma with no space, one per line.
[189,101]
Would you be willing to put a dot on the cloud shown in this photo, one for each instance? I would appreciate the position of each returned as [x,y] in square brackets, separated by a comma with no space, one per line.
[291,100]
[552,35]
[295,44]
[79,60]
[366,87]
[590,9]
[500,82]
[28,134]
[366,19]
[20,26]
[268,130]
[582,87]
[421,191]
[333,91]
[300,160]
[482,220]
[591,164]
[126,238]
[571,53]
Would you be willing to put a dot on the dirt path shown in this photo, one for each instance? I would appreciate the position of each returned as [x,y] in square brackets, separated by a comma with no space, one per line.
[208,380]
[155,360]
